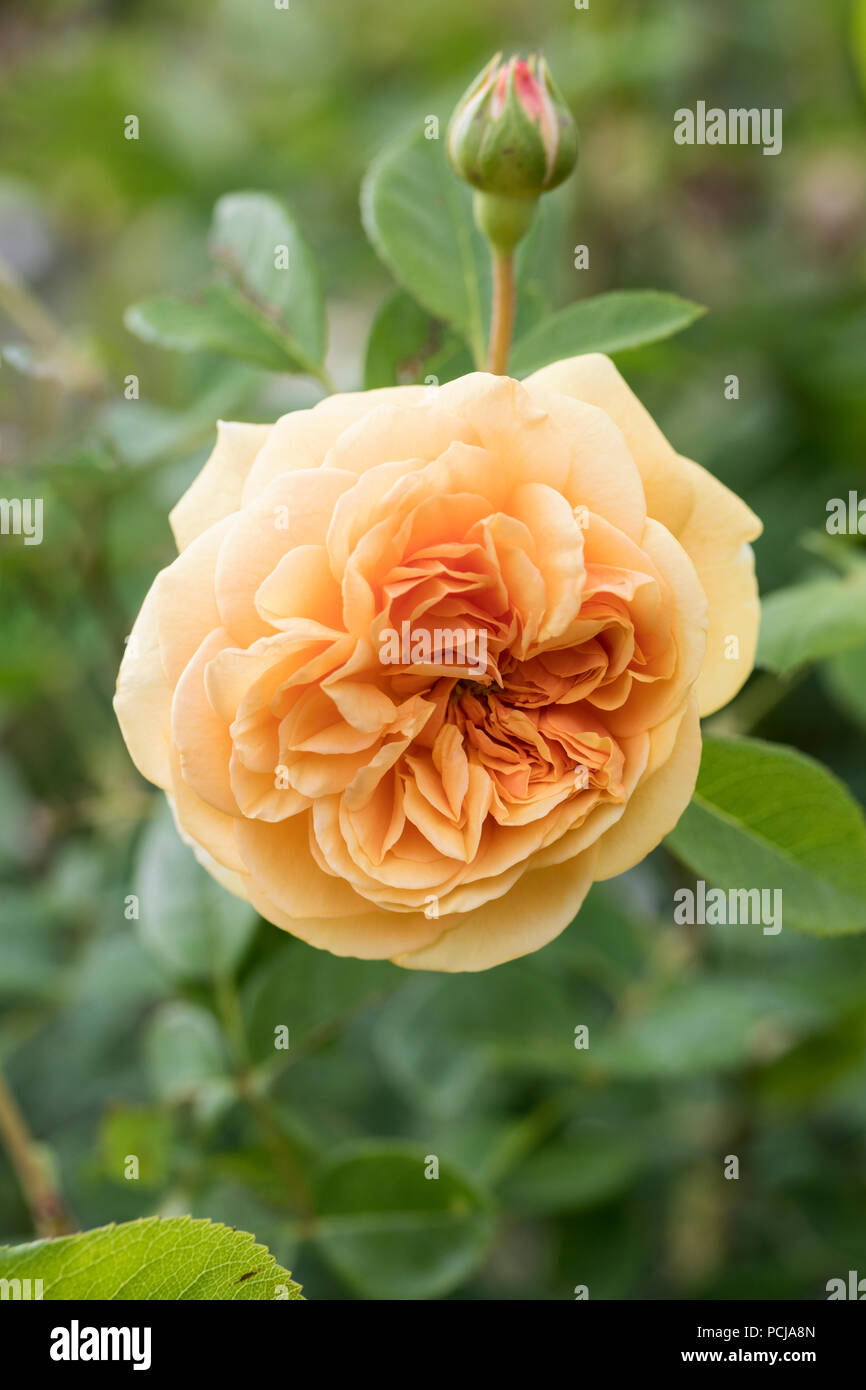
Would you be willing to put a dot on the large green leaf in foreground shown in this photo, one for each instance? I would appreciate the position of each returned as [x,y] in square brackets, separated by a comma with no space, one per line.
[764,816]
[178,1258]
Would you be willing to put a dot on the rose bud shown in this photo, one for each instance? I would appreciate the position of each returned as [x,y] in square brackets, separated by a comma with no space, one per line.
[512,133]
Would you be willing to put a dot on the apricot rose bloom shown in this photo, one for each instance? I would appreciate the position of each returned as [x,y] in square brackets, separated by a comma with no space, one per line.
[404,811]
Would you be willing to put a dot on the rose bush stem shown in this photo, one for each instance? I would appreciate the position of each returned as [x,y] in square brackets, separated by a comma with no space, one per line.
[502,316]
[282,1151]
[285,1160]
[37,1185]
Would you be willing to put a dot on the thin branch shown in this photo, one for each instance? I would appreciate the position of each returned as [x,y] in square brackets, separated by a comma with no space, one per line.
[33,1172]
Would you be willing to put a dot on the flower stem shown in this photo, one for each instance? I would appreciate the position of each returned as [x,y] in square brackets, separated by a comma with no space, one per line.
[502,317]
[37,1184]
[282,1150]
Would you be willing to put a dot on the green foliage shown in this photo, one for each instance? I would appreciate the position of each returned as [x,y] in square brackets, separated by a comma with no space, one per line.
[184,1051]
[406,346]
[140,1132]
[216,320]
[574,1173]
[176,1259]
[702,1027]
[606,323]
[767,815]
[813,621]
[191,926]
[419,219]
[141,433]
[268,308]
[261,250]
[311,994]
[845,675]
[393,1231]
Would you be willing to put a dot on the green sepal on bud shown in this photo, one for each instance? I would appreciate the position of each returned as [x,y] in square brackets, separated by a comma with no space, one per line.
[512,138]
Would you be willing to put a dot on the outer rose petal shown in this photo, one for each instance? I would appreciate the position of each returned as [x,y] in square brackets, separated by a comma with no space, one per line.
[205,826]
[420,429]
[657,802]
[710,522]
[603,475]
[303,438]
[201,738]
[235,882]
[269,849]
[539,906]
[142,700]
[364,935]
[511,426]
[217,489]
[186,606]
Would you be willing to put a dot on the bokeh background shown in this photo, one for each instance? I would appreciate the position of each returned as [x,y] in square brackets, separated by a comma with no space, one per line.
[154,1037]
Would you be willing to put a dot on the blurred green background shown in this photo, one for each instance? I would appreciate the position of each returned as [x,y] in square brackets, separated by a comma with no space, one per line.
[155,1037]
